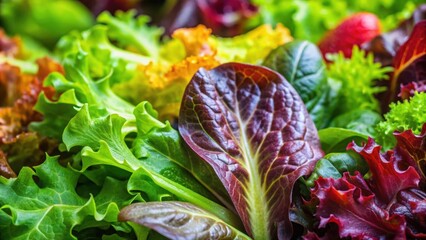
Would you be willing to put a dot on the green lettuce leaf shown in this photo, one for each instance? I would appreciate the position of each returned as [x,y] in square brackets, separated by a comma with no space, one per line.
[405,115]
[41,205]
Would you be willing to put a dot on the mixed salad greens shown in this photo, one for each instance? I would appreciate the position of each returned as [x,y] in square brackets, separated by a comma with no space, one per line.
[212,119]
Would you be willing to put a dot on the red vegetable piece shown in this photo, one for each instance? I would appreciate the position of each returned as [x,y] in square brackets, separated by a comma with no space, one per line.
[355,30]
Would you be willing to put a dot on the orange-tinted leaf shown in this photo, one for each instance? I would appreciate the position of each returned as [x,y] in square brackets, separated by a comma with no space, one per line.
[190,65]
[5,170]
[196,40]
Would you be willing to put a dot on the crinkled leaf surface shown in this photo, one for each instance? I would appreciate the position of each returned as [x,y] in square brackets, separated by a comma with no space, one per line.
[413,148]
[251,126]
[301,63]
[102,141]
[335,164]
[388,172]
[179,220]
[45,205]
[349,203]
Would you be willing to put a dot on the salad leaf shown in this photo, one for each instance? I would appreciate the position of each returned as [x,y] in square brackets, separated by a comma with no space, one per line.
[44,21]
[133,34]
[358,76]
[336,139]
[386,45]
[389,173]
[411,205]
[334,165]
[226,18]
[358,120]
[5,169]
[300,62]
[348,203]
[250,125]
[412,146]
[390,193]
[410,59]
[179,220]
[33,203]
[409,89]
[408,114]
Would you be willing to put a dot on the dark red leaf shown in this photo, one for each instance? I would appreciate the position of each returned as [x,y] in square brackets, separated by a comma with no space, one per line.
[409,89]
[413,149]
[251,126]
[386,45]
[353,210]
[389,173]
[226,17]
[411,204]
[410,60]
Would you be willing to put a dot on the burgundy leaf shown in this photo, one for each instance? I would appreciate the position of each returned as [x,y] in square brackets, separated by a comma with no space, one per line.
[354,210]
[411,204]
[251,126]
[226,17]
[409,89]
[389,174]
[386,45]
[410,60]
[413,149]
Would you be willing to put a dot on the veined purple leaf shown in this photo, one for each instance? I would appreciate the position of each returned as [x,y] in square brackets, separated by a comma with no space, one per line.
[252,127]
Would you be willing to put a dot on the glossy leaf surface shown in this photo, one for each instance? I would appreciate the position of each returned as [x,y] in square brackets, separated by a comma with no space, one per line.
[179,220]
[251,126]
[410,59]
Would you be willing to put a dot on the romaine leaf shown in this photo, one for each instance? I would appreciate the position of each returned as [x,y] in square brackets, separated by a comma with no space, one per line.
[350,204]
[301,63]
[251,126]
[179,220]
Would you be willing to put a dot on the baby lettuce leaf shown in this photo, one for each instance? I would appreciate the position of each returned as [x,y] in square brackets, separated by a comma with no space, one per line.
[302,65]
[335,164]
[251,126]
[410,60]
[336,139]
[179,220]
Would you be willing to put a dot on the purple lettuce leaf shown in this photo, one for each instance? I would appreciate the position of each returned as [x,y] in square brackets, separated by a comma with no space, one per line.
[251,126]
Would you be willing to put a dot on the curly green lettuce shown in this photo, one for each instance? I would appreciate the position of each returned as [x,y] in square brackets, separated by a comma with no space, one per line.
[405,115]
